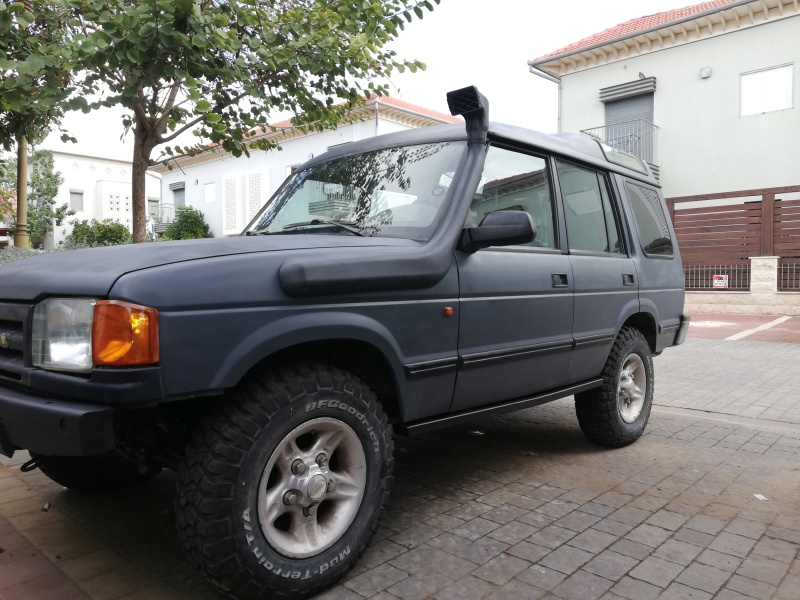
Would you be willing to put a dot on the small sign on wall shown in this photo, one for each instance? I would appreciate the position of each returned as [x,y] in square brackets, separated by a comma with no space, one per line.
[720,282]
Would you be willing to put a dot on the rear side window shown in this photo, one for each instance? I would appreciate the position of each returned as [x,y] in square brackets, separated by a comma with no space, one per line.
[591,225]
[651,222]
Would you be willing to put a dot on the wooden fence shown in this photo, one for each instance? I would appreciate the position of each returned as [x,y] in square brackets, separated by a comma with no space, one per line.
[720,239]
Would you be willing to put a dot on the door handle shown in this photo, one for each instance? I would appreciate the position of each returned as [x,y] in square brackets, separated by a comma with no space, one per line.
[627,279]
[560,280]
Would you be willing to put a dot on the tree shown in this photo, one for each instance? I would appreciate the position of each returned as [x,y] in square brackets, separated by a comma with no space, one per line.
[220,68]
[189,224]
[43,189]
[8,194]
[35,81]
[42,186]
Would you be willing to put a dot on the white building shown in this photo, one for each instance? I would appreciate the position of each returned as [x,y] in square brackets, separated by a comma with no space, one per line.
[229,190]
[707,93]
[98,188]
[708,96]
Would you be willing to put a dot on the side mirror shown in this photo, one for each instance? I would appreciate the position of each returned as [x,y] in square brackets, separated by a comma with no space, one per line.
[500,228]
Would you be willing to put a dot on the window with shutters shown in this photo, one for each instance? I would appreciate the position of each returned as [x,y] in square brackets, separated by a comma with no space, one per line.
[76,200]
[629,126]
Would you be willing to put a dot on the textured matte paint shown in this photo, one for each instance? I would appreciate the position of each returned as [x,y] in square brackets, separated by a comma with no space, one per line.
[511,337]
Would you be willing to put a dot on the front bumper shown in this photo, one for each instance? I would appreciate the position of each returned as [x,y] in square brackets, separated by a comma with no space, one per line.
[52,426]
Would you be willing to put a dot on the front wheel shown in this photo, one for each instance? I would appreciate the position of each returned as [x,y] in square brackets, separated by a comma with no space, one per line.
[282,487]
[616,414]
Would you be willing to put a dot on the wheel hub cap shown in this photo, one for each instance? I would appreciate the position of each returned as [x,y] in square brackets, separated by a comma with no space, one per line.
[631,388]
[317,486]
[312,487]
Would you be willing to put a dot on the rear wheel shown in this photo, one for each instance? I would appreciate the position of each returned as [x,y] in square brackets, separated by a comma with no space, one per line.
[283,486]
[616,414]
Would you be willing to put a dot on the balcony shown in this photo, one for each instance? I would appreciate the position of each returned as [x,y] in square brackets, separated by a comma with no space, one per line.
[162,215]
[639,138]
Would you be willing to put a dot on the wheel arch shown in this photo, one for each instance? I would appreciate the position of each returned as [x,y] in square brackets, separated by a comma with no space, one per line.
[645,322]
[351,342]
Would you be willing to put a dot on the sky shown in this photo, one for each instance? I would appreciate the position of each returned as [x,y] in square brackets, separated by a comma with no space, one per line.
[485,43]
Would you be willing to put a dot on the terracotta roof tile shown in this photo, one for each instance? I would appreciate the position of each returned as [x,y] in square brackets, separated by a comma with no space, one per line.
[630,28]
[416,108]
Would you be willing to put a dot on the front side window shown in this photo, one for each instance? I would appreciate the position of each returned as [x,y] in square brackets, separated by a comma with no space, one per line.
[591,224]
[767,90]
[651,221]
[515,181]
[397,192]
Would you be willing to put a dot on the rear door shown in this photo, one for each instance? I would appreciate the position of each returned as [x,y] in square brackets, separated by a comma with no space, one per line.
[605,278]
[515,330]
[661,280]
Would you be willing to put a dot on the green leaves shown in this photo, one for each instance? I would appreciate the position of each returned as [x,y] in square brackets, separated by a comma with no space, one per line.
[216,68]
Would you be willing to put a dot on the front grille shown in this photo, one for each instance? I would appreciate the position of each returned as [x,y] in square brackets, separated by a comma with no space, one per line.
[13,333]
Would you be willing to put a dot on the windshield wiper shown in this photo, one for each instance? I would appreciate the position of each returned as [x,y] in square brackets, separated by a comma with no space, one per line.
[346,225]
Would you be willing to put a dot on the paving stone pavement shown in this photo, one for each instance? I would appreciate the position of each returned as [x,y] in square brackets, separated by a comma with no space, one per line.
[517,506]
[747,379]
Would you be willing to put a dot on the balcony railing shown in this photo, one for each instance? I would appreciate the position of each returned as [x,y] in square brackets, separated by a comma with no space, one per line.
[638,137]
[163,213]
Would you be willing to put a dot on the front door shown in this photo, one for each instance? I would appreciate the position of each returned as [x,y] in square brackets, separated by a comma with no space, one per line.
[515,330]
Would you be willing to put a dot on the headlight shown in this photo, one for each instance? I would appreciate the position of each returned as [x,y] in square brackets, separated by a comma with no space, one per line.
[62,334]
[72,334]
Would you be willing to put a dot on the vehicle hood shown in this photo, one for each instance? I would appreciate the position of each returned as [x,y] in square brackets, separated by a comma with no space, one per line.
[93,272]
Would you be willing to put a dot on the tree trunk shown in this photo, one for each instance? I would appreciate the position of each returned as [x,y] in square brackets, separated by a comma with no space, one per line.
[21,239]
[142,147]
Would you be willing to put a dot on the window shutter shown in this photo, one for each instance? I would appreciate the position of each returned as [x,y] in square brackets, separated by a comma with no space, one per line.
[256,185]
[232,213]
[630,109]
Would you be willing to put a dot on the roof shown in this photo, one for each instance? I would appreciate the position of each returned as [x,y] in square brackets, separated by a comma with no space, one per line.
[402,104]
[393,102]
[634,26]
[282,131]
[660,31]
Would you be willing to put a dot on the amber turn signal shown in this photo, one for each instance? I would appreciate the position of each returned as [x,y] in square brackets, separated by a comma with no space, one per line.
[124,334]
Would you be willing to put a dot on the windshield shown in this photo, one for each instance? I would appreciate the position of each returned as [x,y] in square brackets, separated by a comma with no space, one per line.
[397,192]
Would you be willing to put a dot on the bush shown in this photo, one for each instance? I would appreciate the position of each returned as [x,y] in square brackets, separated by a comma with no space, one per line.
[12,254]
[88,234]
[189,224]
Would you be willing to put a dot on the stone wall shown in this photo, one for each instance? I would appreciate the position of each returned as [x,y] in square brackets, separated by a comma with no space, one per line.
[762,299]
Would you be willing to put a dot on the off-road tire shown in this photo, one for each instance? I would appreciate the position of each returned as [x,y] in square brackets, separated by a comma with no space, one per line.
[90,473]
[598,410]
[220,481]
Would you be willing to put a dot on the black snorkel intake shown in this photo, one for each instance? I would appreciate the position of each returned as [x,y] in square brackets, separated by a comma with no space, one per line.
[474,107]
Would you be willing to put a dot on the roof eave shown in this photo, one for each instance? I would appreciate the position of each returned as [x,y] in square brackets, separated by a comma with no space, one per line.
[540,63]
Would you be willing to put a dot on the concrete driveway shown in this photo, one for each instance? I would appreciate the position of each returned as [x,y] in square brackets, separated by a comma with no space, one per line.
[520,506]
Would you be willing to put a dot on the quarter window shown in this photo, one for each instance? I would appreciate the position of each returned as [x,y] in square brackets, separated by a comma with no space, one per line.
[515,181]
[591,224]
[651,222]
